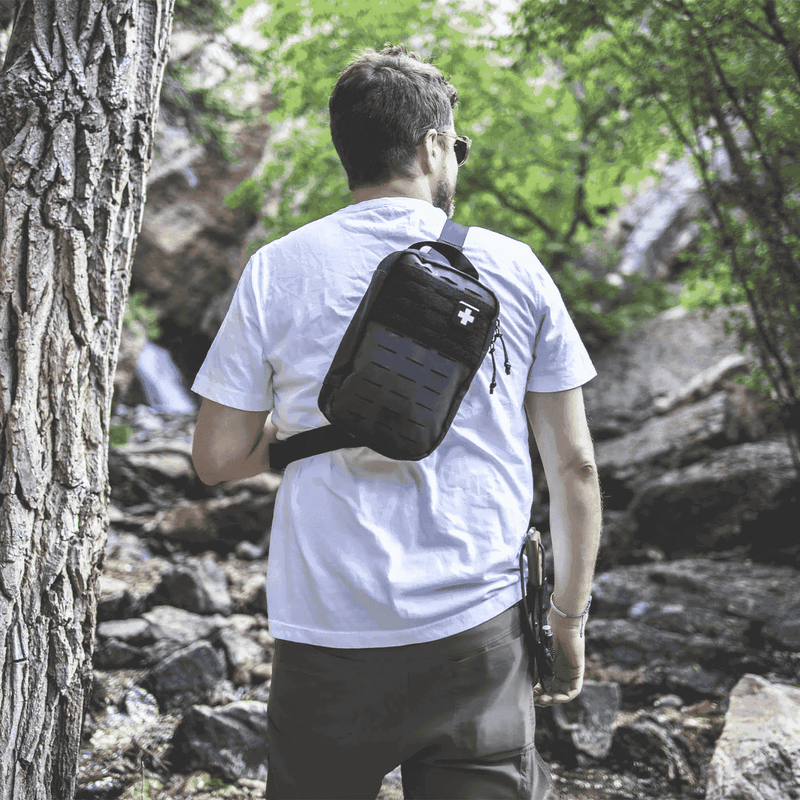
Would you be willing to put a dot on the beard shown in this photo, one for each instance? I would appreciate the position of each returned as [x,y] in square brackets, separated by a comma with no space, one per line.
[444,196]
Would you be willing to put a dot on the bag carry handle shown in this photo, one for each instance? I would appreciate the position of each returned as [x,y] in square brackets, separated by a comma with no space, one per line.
[451,244]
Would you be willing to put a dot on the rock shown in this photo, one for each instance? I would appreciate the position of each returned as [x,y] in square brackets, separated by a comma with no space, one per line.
[123,643]
[685,435]
[110,786]
[112,598]
[243,653]
[628,644]
[179,626]
[167,458]
[257,595]
[249,551]
[654,361]
[140,706]
[652,746]
[189,675]
[692,627]
[758,755]
[131,631]
[690,461]
[230,741]
[704,383]
[199,585]
[715,504]
[175,149]
[669,701]
[589,719]
[218,523]
[113,654]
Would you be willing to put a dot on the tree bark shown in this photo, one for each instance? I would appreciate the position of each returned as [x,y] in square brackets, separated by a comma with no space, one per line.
[78,104]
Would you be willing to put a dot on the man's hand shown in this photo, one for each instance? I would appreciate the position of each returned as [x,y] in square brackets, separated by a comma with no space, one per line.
[568,662]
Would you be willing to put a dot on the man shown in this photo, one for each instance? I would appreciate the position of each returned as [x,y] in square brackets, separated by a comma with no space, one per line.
[393,586]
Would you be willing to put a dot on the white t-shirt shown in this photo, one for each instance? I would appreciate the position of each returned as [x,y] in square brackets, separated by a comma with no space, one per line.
[366,551]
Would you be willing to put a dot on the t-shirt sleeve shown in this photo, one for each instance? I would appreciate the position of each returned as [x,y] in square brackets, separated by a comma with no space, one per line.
[235,372]
[560,359]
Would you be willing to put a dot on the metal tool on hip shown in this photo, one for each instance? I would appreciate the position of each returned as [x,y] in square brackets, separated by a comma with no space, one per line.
[536,601]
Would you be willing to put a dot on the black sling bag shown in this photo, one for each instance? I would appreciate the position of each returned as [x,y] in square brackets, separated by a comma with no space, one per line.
[408,356]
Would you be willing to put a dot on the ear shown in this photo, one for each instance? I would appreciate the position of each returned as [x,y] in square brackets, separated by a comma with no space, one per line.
[429,152]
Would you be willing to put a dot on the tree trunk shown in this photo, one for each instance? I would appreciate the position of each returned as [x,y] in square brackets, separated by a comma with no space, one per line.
[78,104]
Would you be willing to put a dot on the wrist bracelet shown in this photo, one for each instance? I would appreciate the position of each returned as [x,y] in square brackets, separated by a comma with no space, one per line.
[582,616]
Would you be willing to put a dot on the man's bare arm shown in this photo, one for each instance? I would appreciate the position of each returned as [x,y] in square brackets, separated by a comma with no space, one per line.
[562,436]
[230,444]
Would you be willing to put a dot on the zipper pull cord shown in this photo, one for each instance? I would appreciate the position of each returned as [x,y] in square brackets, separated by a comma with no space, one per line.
[506,364]
[494,367]
[499,335]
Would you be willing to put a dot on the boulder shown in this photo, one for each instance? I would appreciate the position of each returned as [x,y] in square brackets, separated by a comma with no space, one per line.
[189,675]
[243,653]
[131,631]
[140,706]
[738,496]
[218,523]
[685,435]
[691,627]
[654,361]
[180,626]
[113,654]
[229,741]
[690,460]
[198,585]
[758,755]
[655,746]
[169,459]
[113,598]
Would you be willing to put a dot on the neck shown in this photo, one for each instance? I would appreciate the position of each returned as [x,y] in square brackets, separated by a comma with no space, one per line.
[418,188]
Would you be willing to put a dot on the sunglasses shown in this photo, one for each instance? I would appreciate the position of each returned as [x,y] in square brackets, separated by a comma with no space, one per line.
[461,146]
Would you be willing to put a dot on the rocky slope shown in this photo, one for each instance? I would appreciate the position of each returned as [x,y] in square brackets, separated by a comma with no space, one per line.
[695,595]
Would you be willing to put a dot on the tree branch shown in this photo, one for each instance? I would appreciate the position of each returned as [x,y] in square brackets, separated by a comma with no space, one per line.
[792,49]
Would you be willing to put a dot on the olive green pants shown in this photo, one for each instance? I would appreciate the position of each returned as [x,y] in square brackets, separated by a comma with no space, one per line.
[456,714]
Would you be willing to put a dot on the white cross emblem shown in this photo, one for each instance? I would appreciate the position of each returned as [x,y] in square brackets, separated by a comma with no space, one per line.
[466,316]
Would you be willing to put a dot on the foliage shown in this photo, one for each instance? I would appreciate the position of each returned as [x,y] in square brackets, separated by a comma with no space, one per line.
[709,283]
[551,158]
[139,311]
[119,435]
[204,14]
[723,78]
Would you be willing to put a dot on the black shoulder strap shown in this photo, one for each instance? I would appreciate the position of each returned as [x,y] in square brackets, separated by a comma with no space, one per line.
[308,443]
[454,233]
[328,437]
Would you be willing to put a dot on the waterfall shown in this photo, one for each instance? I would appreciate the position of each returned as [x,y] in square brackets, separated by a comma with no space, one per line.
[162,382]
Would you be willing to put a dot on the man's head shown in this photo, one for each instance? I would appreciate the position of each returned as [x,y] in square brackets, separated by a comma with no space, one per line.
[383,107]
